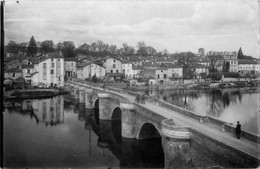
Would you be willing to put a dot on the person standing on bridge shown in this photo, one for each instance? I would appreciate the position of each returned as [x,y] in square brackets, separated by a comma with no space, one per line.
[238,130]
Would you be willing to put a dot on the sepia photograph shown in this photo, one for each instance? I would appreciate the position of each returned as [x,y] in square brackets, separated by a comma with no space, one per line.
[111,84]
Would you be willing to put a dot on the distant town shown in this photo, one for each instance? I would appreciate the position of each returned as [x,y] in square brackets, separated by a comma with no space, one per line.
[45,64]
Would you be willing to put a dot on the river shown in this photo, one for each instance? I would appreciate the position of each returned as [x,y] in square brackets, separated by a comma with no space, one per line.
[59,132]
[230,105]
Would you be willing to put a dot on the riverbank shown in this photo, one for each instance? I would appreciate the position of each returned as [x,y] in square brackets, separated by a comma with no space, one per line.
[23,94]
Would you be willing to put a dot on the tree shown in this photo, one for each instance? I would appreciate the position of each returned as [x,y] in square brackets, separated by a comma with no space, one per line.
[112,49]
[151,51]
[68,49]
[23,47]
[240,54]
[165,52]
[84,49]
[214,62]
[141,45]
[47,46]
[142,51]
[100,45]
[32,47]
[128,50]
[184,60]
[12,47]
[225,67]
[59,47]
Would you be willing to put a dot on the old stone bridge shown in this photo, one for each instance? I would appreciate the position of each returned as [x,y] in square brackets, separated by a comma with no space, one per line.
[160,120]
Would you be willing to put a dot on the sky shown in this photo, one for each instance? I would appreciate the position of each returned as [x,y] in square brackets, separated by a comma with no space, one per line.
[175,25]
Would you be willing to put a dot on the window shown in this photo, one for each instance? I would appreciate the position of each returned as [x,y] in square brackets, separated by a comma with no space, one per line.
[158,76]
[116,71]
[44,65]
[51,59]
[44,77]
[59,78]
[114,61]
[58,60]
[52,65]
[58,64]
[13,74]
[52,72]
[161,70]
[164,76]
[111,71]
[114,65]
[28,71]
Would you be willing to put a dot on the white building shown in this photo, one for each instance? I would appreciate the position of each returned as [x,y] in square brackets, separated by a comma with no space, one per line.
[88,70]
[168,73]
[49,71]
[248,66]
[28,69]
[127,69]
[230,57]
[111,64]
[70,67]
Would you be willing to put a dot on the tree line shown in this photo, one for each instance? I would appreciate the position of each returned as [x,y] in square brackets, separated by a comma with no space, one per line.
[68,48]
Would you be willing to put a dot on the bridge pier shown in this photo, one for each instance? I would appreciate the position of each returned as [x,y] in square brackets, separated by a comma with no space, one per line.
[104,106]
[72,89]
[128,121]
[76,92]
[176,145]
[81,94]
[88,98]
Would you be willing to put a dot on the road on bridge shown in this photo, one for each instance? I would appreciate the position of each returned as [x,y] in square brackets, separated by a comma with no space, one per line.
[207,129]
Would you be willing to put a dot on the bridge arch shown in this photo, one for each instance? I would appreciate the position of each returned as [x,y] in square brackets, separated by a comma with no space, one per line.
[116,124]
[116,114]
[147,131]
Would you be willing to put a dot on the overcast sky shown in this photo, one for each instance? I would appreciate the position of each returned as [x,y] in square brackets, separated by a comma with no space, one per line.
[186,25]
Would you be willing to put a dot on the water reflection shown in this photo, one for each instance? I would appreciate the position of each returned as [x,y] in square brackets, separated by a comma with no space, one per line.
[80,139]
[219,103]
[45,111]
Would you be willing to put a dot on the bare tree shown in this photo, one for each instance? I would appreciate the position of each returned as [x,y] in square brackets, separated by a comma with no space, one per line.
[214,62]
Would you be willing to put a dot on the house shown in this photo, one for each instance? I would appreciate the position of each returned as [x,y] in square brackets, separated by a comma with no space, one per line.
[111,64]
[27,69]
[115,77]
[246,66]
[137,71]
[49,71]
[135,60]
[230,57]
[169,73]
[13,64]
[164,59]
[13,73]
[198,68]
[127,69]
[88,70]
[70,67]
